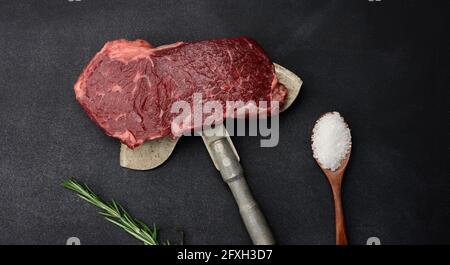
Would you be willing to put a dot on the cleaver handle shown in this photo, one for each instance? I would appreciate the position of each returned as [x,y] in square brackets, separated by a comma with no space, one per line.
[233,174]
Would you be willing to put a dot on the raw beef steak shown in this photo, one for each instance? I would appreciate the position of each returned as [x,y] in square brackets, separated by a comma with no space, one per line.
[128,88]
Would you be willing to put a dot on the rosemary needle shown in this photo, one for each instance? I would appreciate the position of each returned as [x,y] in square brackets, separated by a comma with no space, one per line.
[115,213]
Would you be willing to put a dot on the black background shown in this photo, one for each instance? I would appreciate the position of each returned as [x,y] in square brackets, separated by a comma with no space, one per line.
[383,65]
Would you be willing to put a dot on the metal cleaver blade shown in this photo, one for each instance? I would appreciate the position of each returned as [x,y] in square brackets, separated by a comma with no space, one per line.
[155,152]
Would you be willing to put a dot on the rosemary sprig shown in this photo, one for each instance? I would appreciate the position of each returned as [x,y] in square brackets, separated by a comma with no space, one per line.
[115,213]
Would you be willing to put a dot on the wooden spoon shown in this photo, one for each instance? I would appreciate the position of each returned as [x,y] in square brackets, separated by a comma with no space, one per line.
[335,179]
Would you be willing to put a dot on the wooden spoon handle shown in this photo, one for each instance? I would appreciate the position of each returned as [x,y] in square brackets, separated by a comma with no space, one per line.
[341,235]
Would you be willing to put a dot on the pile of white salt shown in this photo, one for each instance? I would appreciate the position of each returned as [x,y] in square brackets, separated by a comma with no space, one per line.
[331,140]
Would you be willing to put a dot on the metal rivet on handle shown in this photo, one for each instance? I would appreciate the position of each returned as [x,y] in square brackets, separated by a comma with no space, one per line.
[226,162]
[218,147]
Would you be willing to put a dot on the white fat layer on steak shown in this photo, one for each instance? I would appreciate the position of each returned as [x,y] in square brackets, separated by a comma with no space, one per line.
[125,135]
[127,53]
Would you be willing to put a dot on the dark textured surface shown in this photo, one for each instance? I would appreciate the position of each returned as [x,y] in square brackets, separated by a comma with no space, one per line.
[384,66]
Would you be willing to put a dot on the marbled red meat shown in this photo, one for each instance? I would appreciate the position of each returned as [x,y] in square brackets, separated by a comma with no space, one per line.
[128,87]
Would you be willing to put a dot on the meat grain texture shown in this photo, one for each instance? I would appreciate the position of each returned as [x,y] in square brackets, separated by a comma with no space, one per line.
[129,87]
